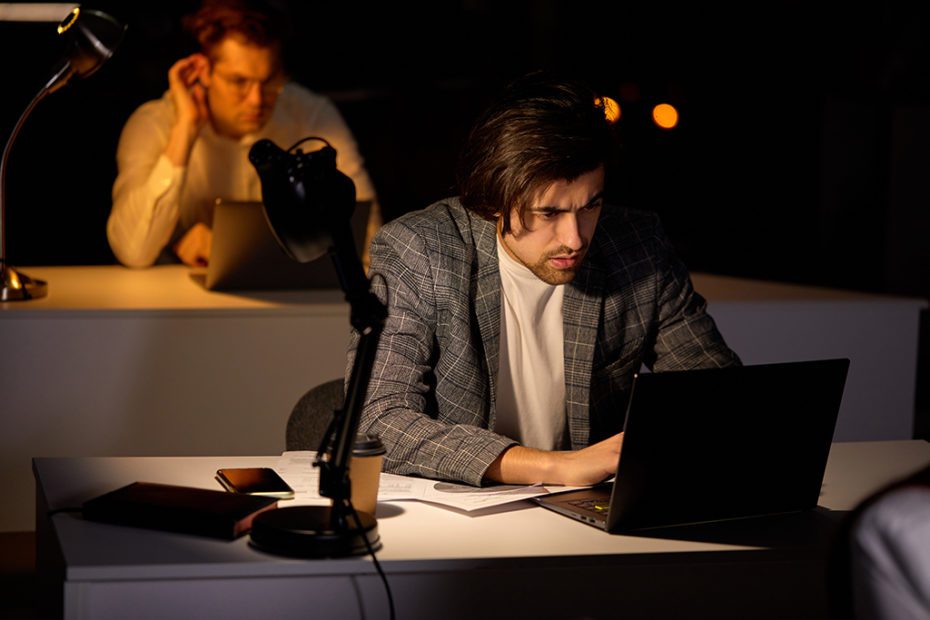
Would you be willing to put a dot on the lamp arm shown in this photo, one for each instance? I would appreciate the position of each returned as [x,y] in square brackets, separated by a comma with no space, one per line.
[6,154]
[61,76]
[367,315]
[365,308]
[334,472]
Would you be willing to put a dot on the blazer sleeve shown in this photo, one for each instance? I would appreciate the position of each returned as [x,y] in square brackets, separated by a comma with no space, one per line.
[399,406]
[686,335]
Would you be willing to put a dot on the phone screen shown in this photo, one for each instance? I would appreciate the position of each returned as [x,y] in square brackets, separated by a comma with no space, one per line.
[254,481]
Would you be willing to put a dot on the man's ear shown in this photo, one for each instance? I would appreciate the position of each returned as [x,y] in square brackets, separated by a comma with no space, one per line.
[205,74]
[499,223]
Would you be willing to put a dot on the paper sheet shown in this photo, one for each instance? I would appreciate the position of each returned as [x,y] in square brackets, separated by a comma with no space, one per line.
[297,468]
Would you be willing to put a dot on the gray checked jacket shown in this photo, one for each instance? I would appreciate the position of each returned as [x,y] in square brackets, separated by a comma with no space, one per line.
[432,391]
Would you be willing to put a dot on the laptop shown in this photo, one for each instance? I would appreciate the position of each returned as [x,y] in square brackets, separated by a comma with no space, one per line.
[717,444]
[245,255]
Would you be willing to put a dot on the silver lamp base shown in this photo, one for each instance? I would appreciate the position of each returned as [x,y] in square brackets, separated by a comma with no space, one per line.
[16,286]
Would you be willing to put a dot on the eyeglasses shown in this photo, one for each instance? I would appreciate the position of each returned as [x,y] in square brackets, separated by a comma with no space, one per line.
[242,86]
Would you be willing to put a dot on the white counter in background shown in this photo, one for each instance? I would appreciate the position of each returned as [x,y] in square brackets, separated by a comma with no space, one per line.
[774,322]
[120,362]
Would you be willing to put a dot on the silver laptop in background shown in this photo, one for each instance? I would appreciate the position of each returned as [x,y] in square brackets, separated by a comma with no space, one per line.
[717,444]
[245,255]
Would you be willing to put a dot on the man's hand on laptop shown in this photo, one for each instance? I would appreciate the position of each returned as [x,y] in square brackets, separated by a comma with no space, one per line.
[520,465]
[194,247]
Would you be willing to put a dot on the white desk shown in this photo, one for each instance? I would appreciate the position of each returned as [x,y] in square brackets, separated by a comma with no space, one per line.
[146,362]
[521,560]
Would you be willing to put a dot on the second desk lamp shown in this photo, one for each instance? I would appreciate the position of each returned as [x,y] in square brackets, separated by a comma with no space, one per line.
[308,205]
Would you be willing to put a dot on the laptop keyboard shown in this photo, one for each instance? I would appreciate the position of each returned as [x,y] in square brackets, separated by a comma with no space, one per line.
[594,505]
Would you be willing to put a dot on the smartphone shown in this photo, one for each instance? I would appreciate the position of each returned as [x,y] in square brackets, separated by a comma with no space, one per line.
[254,481]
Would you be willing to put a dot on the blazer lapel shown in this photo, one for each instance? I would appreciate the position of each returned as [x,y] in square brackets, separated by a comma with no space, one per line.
[487,295]
[582,309]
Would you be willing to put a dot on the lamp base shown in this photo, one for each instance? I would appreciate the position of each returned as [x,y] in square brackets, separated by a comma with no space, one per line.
[307,532]
[16,286]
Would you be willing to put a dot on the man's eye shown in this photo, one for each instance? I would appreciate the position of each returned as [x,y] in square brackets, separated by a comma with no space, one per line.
[597,204]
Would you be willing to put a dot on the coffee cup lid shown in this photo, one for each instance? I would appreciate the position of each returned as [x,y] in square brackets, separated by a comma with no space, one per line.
[367,445]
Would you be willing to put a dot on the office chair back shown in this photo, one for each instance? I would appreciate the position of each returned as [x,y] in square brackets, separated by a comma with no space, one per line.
[312,414]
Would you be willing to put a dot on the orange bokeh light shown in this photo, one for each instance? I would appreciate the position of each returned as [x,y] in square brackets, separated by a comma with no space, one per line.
[611,108]
[665,116]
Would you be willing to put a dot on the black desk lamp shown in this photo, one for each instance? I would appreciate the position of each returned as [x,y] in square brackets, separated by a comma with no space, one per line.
[90,38]
[309,204]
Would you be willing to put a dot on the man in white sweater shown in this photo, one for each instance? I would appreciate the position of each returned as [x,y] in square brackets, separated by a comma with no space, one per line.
[178,154]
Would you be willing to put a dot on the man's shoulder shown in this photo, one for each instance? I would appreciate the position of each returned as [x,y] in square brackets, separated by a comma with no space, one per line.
[617,218]
[155,111]
[621,227]
[436,221]
[445,230]
[296,99]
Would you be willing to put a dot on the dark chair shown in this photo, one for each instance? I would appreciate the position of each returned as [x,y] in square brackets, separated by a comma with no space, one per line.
[312,414]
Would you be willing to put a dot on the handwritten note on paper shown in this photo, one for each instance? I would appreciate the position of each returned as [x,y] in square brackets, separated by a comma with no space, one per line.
[297,468]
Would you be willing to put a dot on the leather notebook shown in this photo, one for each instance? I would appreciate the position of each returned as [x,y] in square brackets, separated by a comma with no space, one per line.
[191,510]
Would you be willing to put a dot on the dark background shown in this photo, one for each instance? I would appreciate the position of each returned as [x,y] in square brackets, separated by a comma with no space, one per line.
[803,152]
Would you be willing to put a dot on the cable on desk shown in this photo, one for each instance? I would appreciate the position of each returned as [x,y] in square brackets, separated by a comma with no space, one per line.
[374,558]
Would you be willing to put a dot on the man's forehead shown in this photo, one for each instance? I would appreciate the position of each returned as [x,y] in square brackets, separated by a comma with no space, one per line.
[563,193]
[236,54]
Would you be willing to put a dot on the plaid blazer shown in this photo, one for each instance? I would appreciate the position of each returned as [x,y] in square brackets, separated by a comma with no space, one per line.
[432,391]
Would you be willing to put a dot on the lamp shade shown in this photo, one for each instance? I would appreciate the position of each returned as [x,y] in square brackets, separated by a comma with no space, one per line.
[308,201]
[90,38]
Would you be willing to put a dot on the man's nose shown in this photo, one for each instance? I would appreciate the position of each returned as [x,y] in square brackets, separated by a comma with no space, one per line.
[569,231]
[254,96]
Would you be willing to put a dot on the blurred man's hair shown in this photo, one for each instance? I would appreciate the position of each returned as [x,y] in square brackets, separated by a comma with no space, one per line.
[254,22]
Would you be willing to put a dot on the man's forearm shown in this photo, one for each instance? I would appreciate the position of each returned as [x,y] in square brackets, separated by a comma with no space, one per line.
[180,142]
[521,465]
[145,211]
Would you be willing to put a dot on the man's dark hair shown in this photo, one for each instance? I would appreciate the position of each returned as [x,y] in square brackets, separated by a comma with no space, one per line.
[255,22]
[542,129]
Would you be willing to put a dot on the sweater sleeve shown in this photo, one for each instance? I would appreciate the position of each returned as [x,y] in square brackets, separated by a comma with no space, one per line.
[146,191]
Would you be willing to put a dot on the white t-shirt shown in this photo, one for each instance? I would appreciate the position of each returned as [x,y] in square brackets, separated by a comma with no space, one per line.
[155,202]
[531,378]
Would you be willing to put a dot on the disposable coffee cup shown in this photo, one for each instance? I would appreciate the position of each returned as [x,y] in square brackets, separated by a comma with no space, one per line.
[365,472]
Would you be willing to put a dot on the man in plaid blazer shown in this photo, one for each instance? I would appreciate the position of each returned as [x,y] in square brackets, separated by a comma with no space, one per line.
[519,311]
